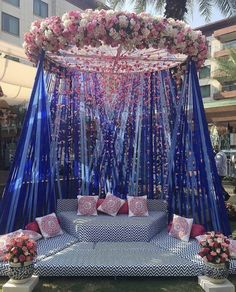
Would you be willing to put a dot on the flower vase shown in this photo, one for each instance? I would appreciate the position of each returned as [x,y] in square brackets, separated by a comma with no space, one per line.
[20,273]
[216,273]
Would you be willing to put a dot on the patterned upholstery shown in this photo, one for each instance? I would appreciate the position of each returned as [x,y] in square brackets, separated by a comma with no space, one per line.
[131,259]
[51,246]
[60,257]
[187,250]
[119,228]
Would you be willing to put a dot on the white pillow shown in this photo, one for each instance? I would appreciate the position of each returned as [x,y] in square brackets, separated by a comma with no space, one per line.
[49,225]
[181,227]
[31,234]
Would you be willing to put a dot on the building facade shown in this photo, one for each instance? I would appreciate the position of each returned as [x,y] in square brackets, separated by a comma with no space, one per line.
[16,72]
[219,96]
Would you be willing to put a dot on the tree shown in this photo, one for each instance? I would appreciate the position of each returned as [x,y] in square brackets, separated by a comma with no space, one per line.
[179,8]
[226,71]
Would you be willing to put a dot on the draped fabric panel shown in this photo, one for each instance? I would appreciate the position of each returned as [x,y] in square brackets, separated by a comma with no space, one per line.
[30,188]
[194,188]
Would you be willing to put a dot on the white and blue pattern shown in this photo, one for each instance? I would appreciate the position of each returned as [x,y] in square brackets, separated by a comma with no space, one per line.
[51,246]
[118,228]
[134,260]
[163,255]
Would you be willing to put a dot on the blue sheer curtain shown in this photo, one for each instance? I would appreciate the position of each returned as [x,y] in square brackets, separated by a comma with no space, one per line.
[193,183]
[30,188]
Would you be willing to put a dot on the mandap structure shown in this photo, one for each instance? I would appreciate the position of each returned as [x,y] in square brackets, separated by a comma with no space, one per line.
[116,106]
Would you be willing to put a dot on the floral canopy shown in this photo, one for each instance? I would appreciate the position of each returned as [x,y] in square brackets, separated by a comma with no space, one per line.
[109,41]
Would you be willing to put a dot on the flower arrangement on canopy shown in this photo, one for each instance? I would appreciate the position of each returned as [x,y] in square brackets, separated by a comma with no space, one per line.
[126,31]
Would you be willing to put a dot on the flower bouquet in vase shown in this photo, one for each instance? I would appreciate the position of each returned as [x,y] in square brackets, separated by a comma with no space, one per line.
[215,253]
[20,252]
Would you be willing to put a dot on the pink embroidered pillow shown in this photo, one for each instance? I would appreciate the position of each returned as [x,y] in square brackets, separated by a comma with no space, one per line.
[111,205]
[31,234]
[49,225]
[197,229]
[87,205]
[137,206]
[181,227]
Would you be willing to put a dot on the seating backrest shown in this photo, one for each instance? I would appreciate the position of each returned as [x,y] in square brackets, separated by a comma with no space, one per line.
[71,205]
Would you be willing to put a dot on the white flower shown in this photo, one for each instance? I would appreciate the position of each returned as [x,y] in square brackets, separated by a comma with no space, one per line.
[67,22]
[132,22]
[43,25]
[62,40]
[48,33]
[64,17]
[145,32]
[83,22]
[123,21]
[33,27]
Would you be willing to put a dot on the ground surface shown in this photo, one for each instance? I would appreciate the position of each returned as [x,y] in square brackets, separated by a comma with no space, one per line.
[118,285]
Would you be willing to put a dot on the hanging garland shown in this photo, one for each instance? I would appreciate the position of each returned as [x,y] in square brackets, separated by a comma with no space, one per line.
[127,31]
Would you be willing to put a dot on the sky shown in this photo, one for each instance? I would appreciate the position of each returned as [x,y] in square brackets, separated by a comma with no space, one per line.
[193,20]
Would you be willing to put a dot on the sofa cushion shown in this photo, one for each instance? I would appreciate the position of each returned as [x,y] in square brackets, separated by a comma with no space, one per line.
[118,228]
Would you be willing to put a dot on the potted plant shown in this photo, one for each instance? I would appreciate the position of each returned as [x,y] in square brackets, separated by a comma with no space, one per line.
[20,252]
[216,257]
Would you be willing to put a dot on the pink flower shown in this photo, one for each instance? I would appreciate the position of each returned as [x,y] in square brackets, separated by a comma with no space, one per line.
[22,258]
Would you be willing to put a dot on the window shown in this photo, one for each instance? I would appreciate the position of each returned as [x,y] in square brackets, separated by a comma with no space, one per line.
[13,2]
[10,24]
[229,86]
[205,72]
[12,58]
[230,45]
[40,8]
[206,91]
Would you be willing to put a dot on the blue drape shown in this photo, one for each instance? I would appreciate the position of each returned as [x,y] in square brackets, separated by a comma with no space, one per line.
[30,188]
[193,183]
